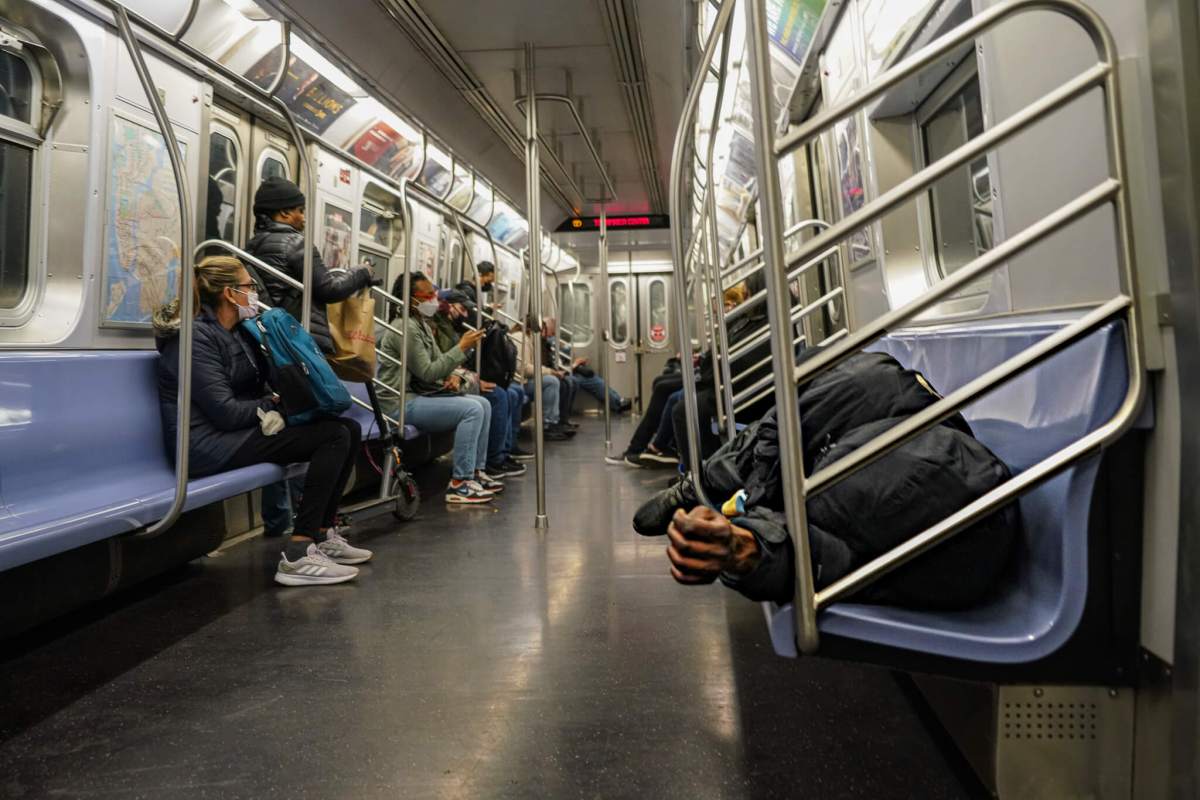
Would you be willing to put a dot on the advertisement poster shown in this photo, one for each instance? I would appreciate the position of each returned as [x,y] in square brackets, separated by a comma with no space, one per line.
[791,24]
[336,237]
[389,151]
[427,258]
[316,102]
[851,186]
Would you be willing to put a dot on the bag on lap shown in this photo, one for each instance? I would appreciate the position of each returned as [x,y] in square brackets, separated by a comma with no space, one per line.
[300,375]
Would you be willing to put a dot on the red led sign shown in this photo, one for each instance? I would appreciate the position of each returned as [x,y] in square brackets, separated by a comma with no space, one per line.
[644,222]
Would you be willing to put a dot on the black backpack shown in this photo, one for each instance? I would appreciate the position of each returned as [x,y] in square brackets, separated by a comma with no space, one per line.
[498,360]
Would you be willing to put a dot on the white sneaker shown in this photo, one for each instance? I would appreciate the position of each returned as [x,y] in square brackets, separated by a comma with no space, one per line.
[337,548]
[488,483]
[314,569]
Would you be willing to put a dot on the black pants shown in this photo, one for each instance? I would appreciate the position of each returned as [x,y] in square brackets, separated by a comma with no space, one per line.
[663,387]
[330,448]
[706,404]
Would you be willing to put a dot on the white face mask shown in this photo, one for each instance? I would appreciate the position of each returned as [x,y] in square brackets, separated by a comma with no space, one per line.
[427,308]
[250,310]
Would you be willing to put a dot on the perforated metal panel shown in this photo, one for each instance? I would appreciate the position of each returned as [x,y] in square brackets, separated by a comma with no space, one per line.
[1046,720]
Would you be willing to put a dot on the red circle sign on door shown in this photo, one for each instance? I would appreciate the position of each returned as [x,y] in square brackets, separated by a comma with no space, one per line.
[658,334]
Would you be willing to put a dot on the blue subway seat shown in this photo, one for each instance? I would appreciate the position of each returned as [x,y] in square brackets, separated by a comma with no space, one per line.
[82,456]
[1042,601]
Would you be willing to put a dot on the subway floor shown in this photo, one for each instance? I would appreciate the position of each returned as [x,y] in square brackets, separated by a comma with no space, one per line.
[474,657]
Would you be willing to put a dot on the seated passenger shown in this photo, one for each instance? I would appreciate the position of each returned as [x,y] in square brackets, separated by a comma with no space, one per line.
[487,280]
[662,389]
[278,240]
[869,512]
[455,313]
[552,429]
[435,401]
[236,421]
[577,376]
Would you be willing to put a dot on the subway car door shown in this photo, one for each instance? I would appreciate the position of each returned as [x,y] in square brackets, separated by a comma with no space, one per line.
[655,342]
[622,325]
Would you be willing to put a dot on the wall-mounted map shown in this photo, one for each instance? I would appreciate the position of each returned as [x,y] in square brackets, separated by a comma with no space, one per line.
[141,226]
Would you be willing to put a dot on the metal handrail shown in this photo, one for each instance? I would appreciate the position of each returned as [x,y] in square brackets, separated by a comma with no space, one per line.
[522,102]
[754,300]
[679,251]
[183,395]
[796,486]
[798,312]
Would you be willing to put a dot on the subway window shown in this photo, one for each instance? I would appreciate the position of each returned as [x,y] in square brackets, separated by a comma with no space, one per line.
[16,88]
[659,325]
[17,92]
[618,304]
[273,164]
[221,215]
[960,203]
[575,300]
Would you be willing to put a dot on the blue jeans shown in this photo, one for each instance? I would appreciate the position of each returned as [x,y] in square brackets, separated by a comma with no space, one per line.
[502,437]
[549,398]
[595,387]
[664,438]
[516,399]
[568,387]
[469,416]
[277,502]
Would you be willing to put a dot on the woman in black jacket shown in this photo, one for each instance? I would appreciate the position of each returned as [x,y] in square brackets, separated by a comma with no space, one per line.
[236,420]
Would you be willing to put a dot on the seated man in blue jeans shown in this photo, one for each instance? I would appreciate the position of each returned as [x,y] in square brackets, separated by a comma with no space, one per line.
[553,430]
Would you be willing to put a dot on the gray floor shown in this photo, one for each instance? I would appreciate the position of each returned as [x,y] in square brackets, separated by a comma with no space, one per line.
[474,658]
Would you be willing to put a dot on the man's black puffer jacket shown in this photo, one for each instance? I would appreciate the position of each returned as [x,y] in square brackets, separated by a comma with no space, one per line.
[228,388]
[881,506]
[282,246]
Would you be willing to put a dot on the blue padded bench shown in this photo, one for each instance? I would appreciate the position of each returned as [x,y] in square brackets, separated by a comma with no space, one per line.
[82,456]
[1042,601]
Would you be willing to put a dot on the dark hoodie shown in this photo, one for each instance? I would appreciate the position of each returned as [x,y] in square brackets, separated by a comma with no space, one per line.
[282,246]
[228,388]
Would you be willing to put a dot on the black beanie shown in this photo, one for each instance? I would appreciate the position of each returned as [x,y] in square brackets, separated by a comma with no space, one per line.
[485,268]
[277,194]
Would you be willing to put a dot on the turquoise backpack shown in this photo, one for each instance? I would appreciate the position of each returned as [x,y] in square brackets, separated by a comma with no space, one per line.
[300,375]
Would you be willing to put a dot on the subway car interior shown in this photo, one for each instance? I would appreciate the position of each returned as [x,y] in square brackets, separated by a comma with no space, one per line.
[599,398]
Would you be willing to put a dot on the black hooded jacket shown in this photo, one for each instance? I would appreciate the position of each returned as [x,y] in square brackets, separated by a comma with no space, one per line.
[228,388]
[282,246]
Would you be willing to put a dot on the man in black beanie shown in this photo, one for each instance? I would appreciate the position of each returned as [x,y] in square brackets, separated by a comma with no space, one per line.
[279,241]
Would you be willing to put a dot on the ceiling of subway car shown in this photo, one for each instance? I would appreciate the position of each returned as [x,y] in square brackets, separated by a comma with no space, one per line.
[456,65]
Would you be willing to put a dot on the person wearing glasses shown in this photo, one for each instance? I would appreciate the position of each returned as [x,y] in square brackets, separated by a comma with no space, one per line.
[236,421]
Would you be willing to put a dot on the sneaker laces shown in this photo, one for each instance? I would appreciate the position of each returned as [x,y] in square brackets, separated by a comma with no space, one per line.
[320,557]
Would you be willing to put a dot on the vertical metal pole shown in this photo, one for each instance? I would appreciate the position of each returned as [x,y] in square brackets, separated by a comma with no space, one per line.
[791,449]
[533,208]
[723,364]
[310,198]
[183,396]
[605,334]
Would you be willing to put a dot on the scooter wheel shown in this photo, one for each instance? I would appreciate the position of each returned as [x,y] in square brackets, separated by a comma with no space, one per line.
[408,496]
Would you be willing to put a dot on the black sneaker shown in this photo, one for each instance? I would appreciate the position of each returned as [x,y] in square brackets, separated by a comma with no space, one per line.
[554,434]
[566,430]
[625,406]
[660,460]
[517,454]
[624,460]
[655,514]
[506,469]
[572,425]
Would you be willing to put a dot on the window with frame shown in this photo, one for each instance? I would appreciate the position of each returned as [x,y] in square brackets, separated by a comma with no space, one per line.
[618,305]
[221,215]
[273,164]
[960,204]
[575,302]
[17,99]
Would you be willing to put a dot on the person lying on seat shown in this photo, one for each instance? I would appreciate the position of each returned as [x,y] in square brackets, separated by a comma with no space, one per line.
[435,400]
[236,421]
[871,511]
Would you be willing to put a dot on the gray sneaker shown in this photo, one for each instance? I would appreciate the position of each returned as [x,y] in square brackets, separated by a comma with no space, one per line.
[337,548]
[314,569]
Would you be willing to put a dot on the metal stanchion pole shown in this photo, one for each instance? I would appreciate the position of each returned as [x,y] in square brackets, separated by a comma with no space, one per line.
[533,209]
[604,332]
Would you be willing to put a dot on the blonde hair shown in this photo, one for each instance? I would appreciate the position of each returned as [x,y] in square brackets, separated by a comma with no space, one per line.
[213,275]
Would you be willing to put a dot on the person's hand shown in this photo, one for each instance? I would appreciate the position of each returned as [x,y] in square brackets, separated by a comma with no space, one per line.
[579,362]
[453,383]
[704,544]
[486,386]
[469,340]
[271,422]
